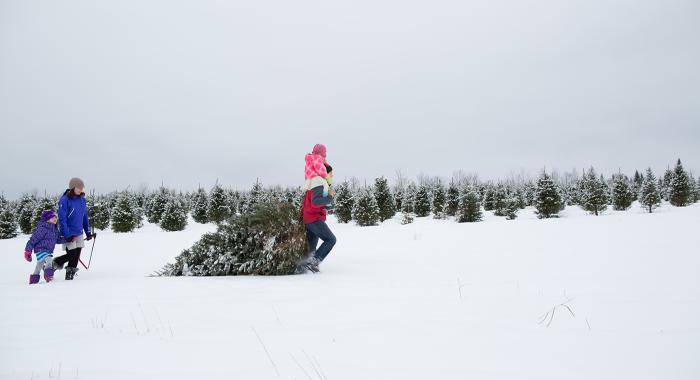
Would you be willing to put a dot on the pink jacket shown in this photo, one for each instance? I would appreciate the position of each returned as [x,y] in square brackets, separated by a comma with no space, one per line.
[315,166]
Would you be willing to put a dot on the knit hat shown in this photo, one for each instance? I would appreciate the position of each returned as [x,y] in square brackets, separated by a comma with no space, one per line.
[76,182]
[319,149]
[46,215]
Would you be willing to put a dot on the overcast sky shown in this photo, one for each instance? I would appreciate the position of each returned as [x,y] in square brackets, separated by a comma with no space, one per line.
[137,92]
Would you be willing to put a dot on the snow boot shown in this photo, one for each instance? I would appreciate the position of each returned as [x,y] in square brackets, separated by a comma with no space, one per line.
[312,264]
[33,279]
[48,274]
[70,273]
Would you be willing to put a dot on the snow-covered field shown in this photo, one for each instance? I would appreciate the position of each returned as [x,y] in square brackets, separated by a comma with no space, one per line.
[431,300]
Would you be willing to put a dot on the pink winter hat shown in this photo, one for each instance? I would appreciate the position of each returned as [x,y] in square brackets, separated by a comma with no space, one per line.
[319,149]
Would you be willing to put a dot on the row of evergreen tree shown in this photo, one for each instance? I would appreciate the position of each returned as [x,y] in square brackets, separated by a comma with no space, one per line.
[464,199]
[126,210]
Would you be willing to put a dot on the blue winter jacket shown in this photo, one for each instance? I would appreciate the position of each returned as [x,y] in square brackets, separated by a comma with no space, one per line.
[72,215]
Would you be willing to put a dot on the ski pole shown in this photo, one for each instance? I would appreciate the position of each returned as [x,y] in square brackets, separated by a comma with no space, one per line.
[87,267]
[94,240]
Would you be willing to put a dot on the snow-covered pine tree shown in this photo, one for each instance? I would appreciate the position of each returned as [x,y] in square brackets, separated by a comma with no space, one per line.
[649,196]
[365,211]
[421,204]
[439,201]
[548,201]
[236,201]
[219,209]
[469,209]
[512,206]
[622,193]
[25,213]
[385,200]
[489,197]
[398,197]
[594,197]
[637,183]
[46,203]
[452,199]
[665,188]
[124,215]
[8,224]
[407,203]
[344,203]
[255,196]
[98,212]
[680,192]
[499,199]
[155,205]
[697,190]
[200,206]
[529,193]
[269,240]
[174,217]
[409,198]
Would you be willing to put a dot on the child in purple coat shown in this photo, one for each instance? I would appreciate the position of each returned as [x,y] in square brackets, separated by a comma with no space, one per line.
[42,242]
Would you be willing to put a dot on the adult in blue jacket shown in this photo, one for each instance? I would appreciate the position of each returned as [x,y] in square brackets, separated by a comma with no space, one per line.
[72,222]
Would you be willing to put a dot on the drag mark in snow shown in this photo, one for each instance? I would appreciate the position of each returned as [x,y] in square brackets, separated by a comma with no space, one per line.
[550,314]
[300,366]
[266,351]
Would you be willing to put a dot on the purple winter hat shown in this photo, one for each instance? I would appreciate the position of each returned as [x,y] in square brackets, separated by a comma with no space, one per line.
[46,215]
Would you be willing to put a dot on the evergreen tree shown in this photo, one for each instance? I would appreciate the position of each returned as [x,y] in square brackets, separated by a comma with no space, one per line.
[43,204]
[499,199]
[697,190]
[548,200]
[649,197]
[269,240]
[469,209]
[439,201]
[200,206]
[421,205]
[680,192]
[8,224]
[219,209]
[366,211]
[256,196]
[409,199]
[622,193]
[529,193]
[156,205]
[398,197]
[124,216]
[511,207]
[693,188]
[98,212]
[385,200]
[25,213]
[174,217]
[637,183]
[665,187]
[489,197]
[452,201]
[344,203]
[594,197]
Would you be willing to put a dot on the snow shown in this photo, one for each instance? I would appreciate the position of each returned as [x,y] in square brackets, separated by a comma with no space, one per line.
[433,299]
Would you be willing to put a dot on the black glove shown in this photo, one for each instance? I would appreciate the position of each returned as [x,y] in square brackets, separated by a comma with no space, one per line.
[90,236]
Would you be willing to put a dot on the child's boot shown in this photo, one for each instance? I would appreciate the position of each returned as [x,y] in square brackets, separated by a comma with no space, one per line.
[48,274]
[33,279]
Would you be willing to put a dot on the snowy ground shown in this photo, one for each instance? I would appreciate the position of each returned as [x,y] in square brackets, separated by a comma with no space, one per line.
[431,300]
